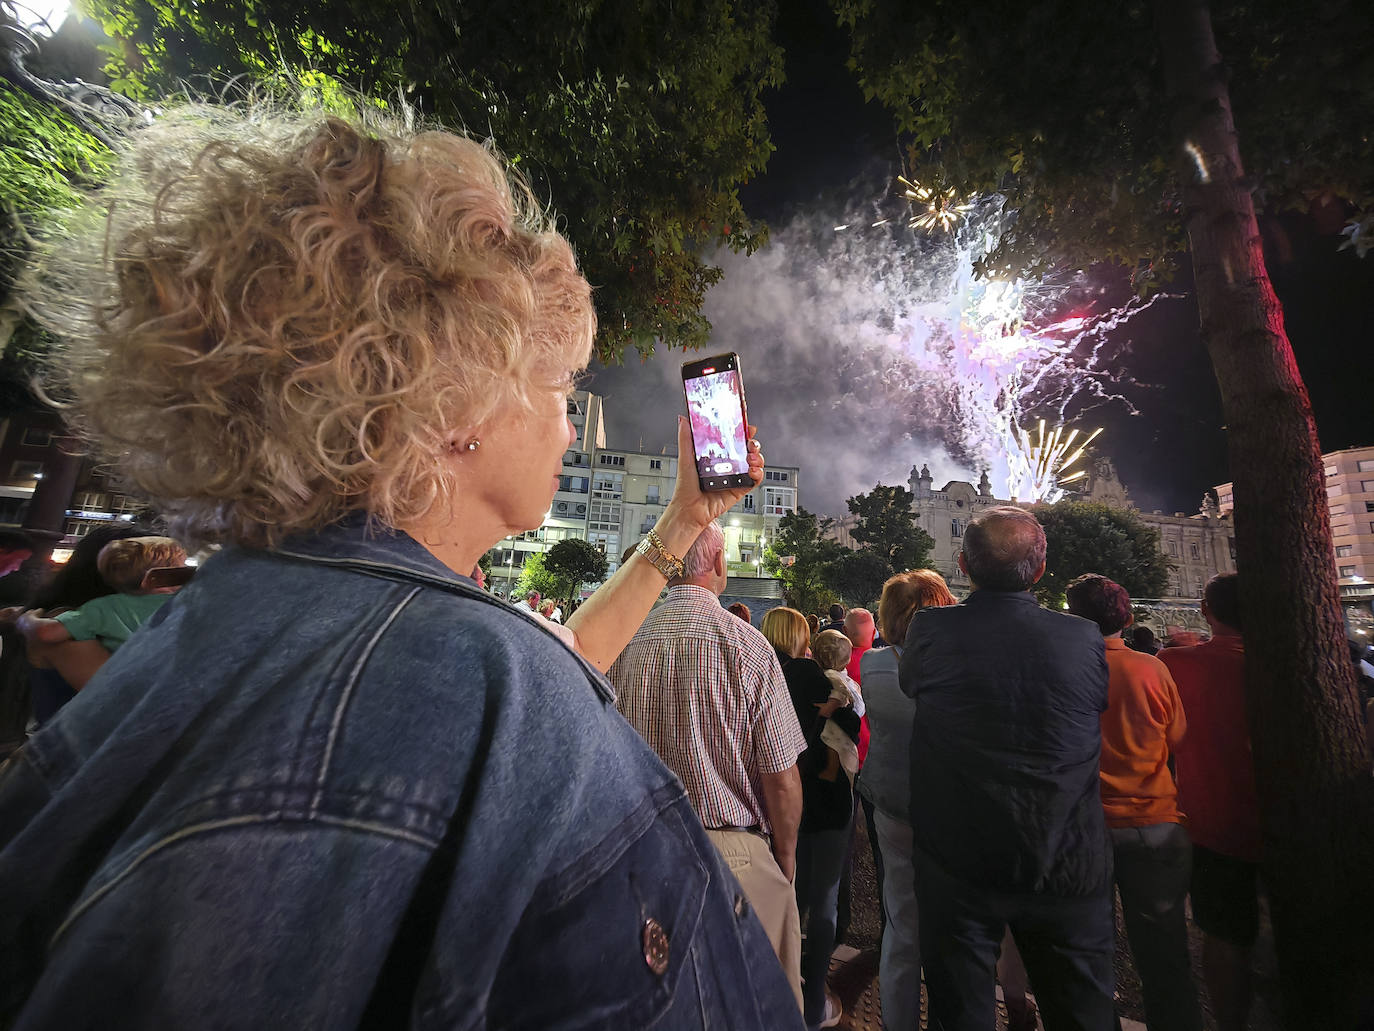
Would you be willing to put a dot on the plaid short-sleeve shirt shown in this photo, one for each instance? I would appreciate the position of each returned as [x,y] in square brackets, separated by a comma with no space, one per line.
[705,690]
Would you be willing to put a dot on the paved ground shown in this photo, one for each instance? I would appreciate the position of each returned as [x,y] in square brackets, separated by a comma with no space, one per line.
[854,969]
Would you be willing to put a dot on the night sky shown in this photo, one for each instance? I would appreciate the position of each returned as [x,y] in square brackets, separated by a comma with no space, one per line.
[813,397]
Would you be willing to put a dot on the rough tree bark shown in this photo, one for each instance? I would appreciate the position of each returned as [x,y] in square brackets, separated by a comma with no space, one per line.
[1316,791]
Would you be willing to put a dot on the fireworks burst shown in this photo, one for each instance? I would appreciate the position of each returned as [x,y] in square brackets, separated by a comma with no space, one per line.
[1048,461]
[971,359]
[933,208]
[1006,349]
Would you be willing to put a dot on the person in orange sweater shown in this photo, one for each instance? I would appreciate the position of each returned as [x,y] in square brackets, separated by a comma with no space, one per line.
[1143,723]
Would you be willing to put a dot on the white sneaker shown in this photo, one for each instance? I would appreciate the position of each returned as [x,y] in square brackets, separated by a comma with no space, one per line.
[834,1012]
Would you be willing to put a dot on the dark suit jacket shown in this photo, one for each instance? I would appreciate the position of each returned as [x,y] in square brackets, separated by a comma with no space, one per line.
[1005,744]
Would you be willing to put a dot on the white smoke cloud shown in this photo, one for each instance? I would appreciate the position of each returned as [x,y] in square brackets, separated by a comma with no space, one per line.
[847,344]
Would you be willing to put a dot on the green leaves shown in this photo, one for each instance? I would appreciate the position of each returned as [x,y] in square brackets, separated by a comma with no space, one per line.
[887,527]
[637,120]
[574,562]
[1089,537]
[535,577]
[800,555]
[820,569]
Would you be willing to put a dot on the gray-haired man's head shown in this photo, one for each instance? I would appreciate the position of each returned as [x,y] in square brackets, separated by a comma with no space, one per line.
[1004,550]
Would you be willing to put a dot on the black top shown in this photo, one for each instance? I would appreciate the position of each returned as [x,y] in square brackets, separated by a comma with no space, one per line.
[1006,741]
[827,805]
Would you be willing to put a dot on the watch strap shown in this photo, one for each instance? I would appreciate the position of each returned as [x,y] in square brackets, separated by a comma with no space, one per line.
[653,549]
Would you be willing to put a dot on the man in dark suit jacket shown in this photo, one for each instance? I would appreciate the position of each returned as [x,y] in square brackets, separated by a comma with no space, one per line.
[1005,800]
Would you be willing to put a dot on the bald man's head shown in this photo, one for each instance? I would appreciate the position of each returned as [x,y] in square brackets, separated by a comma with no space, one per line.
[1004,550]
[858,627]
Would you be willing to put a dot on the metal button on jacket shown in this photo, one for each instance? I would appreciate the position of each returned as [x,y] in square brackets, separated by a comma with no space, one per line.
[655,946]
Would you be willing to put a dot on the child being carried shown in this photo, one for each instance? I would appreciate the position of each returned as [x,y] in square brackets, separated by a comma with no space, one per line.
[831,649]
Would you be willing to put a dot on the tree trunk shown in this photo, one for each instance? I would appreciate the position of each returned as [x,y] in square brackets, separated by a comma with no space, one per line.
[1312,772]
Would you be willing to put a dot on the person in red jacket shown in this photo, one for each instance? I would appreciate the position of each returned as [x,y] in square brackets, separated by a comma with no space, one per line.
[1216,789]
[1152,855]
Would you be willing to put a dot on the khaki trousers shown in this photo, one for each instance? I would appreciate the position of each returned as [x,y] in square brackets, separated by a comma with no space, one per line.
[750,859]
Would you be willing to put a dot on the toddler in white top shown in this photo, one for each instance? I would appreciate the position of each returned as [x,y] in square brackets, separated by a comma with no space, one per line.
[831,649]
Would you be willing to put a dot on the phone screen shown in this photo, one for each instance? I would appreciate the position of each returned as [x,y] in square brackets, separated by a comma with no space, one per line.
[715,405]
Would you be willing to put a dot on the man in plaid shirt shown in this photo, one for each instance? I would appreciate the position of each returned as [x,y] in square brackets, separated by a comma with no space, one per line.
[705,690]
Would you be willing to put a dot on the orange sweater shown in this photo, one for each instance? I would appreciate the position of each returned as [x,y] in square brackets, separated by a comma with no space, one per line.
[1144,721]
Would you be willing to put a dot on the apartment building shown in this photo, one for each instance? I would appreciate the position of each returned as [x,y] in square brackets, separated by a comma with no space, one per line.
[1350,495]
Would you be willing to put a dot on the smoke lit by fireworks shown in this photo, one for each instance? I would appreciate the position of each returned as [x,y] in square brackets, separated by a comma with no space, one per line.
[933,208]
[1005,351]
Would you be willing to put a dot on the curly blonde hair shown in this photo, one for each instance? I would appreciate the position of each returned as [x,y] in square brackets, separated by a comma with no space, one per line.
[272,319]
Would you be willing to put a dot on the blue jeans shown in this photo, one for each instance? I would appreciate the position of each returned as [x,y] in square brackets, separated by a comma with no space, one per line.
[820,861]
[1067,942]
[899,966]
[1153,868]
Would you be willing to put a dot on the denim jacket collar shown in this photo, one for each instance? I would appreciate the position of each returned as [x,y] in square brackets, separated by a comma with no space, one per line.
[366,545]
[372,548]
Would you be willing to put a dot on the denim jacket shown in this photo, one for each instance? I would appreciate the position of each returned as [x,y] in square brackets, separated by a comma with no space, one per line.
[336,785]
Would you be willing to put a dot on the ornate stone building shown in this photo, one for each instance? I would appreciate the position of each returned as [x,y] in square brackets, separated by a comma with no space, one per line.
[1197,546]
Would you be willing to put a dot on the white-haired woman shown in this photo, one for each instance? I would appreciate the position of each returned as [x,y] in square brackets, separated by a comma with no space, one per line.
[333,783]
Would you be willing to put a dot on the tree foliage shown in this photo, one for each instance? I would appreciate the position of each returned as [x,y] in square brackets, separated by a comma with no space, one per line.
[534,576]
[1060,107]
[887,528]
[1090,537]
[637,119]
[45,158]
[574,562]
[801,556]
[858,576]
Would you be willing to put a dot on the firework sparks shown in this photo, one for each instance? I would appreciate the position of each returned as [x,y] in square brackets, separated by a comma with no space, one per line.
[1005,348]
[933,208]
[1048,461]
[994,354]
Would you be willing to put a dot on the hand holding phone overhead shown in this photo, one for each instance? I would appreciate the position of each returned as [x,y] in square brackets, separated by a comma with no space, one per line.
[717,413]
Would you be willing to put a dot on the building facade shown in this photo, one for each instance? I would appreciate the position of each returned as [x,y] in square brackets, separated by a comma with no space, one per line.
[1350,495]
[51,491]
[1197,546]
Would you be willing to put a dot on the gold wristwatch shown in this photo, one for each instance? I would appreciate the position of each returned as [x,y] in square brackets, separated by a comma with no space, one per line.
[652,548]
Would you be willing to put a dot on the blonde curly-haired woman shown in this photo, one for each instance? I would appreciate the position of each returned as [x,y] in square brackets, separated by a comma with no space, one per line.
[334,783]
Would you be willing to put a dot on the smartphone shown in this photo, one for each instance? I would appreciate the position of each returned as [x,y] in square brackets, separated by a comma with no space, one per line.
[720,423]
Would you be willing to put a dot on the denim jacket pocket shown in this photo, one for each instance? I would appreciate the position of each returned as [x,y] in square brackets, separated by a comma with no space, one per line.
[617,952]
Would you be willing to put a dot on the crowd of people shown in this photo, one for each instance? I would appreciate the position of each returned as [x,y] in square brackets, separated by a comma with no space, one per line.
[331,781]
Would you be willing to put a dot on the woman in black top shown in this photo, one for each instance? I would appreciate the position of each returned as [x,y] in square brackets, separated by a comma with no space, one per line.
[827,808]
